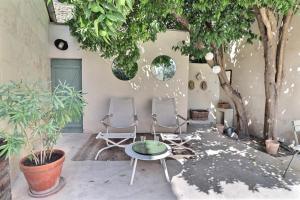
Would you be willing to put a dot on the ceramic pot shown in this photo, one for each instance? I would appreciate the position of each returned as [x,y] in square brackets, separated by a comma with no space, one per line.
[45,177]
[272,146]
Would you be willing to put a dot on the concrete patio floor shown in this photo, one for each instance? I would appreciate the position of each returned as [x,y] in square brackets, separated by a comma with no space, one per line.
[225,169]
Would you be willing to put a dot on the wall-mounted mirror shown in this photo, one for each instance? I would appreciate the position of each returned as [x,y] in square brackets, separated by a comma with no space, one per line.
[163,67]
[124,73]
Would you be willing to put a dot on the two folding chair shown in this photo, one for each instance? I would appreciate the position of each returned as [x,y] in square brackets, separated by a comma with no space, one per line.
[122,115]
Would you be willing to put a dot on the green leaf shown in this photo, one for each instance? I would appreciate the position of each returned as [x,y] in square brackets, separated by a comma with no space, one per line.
[101,18]
[106,39]
[96,27]
[116,17]
[103,33]
[97,8]
[129,3]
[108,6]
[121,2]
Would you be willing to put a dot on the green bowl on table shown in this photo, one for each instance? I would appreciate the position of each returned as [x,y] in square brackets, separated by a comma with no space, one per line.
[149,147]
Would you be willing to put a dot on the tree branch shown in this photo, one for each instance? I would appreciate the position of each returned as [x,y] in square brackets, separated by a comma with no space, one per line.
[282,39]
[266,22]
[272,20]
[185,23]
[262,28]
[182,21]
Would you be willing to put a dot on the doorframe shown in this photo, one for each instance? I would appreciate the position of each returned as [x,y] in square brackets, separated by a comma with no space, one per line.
[81,76]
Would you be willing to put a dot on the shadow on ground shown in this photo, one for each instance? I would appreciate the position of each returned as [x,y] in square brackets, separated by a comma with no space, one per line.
[222,160]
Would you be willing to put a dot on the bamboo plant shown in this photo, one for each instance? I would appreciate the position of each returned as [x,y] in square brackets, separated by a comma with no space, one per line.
[33,117]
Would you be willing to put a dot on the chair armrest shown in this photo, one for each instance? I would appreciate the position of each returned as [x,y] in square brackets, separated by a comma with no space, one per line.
[181,117]
[104,120]
[154,118]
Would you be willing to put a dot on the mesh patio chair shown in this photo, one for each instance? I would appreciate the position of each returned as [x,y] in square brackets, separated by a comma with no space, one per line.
[121,115]
[296,147]
[164,115]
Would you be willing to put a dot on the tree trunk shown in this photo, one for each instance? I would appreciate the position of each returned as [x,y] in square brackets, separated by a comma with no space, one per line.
[274,33]
[271,92]
[5,189]
[235,96]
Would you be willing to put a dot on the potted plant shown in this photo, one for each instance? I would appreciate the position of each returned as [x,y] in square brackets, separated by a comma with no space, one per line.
[34,116]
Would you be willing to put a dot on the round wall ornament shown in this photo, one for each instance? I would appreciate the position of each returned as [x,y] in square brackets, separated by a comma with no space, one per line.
[191,84]
[198,76]
[209,56]
[203,85]
[216,69]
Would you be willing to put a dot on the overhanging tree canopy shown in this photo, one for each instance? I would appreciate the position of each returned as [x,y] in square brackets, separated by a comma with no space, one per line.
[212,25]
[116,27]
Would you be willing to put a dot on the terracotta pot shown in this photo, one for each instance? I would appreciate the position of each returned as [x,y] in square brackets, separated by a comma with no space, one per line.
[220,128]
[272,146]
[5,190]
[44,177]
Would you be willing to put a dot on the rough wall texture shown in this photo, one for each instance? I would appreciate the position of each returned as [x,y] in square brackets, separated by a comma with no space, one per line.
[100,84]
[23,45]
[203,99]
[247,64]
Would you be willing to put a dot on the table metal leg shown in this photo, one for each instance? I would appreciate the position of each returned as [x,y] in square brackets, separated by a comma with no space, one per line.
[163,162]
[133,171]
[131,161]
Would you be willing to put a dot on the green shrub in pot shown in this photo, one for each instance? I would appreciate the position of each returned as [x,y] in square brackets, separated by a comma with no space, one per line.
[33,117]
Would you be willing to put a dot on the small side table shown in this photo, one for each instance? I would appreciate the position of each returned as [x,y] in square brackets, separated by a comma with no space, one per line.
[225,116]
[136,156]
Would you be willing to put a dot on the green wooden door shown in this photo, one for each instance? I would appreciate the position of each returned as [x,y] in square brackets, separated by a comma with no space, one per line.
[69,71]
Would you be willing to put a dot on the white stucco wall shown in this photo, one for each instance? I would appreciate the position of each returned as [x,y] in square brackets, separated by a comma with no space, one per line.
[23,46]
[23,40]
[100,84]
[203,99]
[248,77]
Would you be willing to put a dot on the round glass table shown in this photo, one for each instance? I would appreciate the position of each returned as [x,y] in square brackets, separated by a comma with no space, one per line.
[139,156]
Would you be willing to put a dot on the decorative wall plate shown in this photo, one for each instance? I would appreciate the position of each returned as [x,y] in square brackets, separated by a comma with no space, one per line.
[198,76]
[191,84]
[203,85]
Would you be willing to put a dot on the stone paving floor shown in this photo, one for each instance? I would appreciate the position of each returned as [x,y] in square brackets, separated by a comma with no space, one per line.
[224,169]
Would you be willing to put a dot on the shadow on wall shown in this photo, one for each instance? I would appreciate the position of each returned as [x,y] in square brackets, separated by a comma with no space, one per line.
[224,161]
[158,85]
[247,63]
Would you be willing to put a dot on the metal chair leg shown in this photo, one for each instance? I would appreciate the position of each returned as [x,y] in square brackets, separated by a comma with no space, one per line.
[285,171]
[100,151]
